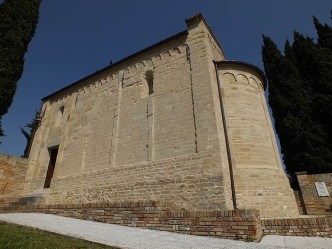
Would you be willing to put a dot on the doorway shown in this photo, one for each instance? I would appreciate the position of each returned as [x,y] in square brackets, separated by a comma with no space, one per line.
[53,155]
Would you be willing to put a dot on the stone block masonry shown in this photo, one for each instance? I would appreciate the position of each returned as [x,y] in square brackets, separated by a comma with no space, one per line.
[175,123]
[258,175]
[150,127]
[143,129]
[12,176]
[189,181]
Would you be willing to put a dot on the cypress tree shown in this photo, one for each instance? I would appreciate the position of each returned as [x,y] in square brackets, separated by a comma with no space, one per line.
[300,84]
[324,33]
[322,78]
[33,125]
[18,21]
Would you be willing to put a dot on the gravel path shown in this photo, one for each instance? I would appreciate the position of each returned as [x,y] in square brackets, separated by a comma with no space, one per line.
[136,238]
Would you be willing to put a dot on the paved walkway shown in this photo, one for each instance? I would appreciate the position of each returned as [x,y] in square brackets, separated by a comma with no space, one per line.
[136,238]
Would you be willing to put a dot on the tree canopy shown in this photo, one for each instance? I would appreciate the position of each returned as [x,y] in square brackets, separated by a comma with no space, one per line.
[300,96]
[18,21]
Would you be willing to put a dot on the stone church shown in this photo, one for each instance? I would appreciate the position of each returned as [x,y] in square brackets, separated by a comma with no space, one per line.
[175,122]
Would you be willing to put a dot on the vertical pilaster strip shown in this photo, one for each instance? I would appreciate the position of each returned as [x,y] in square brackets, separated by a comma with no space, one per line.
[63,144]
[192,93]
[83,160]
[116,120]
[150,120]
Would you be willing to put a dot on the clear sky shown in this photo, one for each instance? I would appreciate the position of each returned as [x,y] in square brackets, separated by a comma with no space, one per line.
[75,38]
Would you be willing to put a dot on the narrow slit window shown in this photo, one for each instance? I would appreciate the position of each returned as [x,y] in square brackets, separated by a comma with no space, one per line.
[149,80]
[62,109]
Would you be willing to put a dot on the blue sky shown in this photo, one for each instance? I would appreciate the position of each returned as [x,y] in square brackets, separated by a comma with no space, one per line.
[75,38]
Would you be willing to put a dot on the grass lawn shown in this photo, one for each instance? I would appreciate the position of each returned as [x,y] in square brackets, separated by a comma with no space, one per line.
[20,237]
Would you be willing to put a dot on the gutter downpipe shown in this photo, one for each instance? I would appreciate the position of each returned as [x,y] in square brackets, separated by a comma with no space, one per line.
[229,156]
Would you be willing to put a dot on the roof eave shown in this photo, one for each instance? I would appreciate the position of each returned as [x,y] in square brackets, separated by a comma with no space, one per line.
[174,37]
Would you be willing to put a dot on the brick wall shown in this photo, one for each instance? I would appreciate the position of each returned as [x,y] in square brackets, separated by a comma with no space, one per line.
[12,175]
[313,203]
[234,224]
[312,227]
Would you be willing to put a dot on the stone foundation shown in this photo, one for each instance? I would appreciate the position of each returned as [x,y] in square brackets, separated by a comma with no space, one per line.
[193,182]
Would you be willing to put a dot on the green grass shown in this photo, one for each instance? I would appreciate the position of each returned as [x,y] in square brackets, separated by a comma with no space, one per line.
[20,237]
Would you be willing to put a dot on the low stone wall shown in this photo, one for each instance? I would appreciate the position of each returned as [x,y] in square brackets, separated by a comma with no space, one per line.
[234,224]
[320,226]
[12,176]
[313,203]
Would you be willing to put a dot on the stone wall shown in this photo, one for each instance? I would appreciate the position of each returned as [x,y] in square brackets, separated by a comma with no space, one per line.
[313,203]
[165,180]
[12,176]
[311,227]
[259,179]
[150,128]
[118,140]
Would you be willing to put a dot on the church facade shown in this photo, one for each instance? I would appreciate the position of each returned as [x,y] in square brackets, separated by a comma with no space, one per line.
[175,122]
